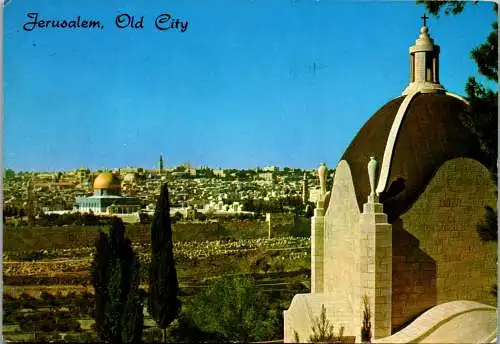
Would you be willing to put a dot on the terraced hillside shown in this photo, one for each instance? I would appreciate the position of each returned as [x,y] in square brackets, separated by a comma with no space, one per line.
[47,291]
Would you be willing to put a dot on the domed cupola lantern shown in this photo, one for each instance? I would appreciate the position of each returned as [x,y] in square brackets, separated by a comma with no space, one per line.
[424,64]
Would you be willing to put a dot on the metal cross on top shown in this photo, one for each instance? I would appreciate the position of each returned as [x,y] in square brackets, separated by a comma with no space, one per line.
[425,19]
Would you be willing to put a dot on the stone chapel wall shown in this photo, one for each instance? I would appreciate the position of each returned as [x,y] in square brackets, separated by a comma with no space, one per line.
[437,253]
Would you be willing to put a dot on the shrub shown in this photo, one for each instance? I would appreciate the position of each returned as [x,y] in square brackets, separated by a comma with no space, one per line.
[183,329]
[366,329]
[322,330]
[296,337]
[48,322]
[234,310]
[27,301]
[152,335]
[83,337]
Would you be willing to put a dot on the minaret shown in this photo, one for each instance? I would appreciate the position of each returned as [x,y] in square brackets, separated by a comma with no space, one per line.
[161,163]
[305,189]
[424,64]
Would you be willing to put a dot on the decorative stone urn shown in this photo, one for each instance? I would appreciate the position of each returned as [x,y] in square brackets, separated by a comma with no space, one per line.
[322,178]
[372,174]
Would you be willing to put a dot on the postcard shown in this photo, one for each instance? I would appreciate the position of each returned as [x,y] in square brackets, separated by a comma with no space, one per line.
[249,171]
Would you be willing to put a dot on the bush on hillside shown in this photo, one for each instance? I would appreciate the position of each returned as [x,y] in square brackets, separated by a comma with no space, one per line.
[233,309]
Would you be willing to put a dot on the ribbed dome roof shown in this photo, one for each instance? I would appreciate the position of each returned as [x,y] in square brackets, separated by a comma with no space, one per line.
[106,180]
[431,133]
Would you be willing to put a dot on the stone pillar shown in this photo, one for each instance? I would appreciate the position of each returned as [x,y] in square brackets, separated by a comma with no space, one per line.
[317,248]
[437,69]
[318,236]
[412,68]
[376,264]
[420,66]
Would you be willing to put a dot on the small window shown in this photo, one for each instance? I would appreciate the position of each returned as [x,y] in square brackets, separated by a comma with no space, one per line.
[428,67]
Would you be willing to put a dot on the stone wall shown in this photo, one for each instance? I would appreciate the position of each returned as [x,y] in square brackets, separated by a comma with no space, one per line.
[437,253]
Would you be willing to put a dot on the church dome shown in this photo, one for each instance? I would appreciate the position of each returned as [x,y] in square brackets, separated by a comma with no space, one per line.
[106,180]
[430,134]
[411,137]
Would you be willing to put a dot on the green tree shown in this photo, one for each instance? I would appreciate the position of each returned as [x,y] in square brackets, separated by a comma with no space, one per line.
[115,277]
[9,174]
[58,176]
[233,309]
[163,303]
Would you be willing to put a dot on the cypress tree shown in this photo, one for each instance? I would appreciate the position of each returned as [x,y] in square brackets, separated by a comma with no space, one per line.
[132,316]
[163,303]
[115,276]
[114,309]
[99,276]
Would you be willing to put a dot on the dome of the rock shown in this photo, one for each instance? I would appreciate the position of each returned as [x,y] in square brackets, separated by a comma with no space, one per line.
[107,199]
[106,180]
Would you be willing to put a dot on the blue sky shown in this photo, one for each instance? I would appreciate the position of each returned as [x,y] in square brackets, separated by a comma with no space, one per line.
[250,83]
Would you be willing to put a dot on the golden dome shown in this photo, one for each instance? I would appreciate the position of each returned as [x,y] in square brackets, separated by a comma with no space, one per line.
[106,180]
